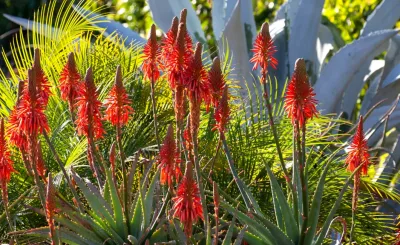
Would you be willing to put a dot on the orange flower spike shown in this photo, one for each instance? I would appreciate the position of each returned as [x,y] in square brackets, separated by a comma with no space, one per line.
[264,50]
[358,152]
[43,85]
[167,43]
[300,104]
[168,161]
[6,165]
[89,109]
[50,208]
[70,81]
[152,57]
[216,81]
[222,113]
[187,205]
[117,103]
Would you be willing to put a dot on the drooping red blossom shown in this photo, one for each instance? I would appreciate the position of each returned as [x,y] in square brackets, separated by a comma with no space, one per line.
[117,103]
[216,82]
[28,118]
[300,104]
[167,43]
[264,51]
[50,208]
[187,205]
[42,83]
[70,82]
[358,152]
[222,113]
[40,166]
[88,121]
[178,60]
[168,162]
[14,132]
[6,165]
[151,53]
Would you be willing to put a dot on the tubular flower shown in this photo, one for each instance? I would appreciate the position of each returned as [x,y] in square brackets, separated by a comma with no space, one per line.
[178,60]
[69,82]
[197,87]
[118,104]
[152,57]
[358,154]
[222,113]
[42,84]
[216,81]
[299,101]
[6,165]
[50,208]
[89,119]
[14,133]
[167,43]
[168,161]
[29,118]
[187,206]
[264,50]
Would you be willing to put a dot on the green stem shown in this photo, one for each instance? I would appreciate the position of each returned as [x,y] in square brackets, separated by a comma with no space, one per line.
[39,184]
[61,165]
[353,223]
[301,144]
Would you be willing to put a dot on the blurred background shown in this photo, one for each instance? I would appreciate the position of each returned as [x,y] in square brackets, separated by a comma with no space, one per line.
[348,16]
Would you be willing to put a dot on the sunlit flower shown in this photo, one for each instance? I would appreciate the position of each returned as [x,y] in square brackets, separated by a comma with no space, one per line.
[358,152]
[14,132]
[70,82]
[187,205]
[50,208]
[168,160]
[42,84]
[89,118]
[6,165]
[151,53]
[117,103]
[264,51]
[222,113]
[216,82]
[188,39]
[300,104]
[167,43]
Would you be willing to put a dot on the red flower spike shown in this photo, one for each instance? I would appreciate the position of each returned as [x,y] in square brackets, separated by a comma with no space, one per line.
[70,81]
[40,166]
[42,84]
[50,208]
[178,60]
[216,81]
[151,53]
[187,206]
[167,43]
[358,154]
[168,163]
[222,113]
[264,50]
[6,165]
[88,121]
[29,118]
[188,39]
[117,104]
[300,104]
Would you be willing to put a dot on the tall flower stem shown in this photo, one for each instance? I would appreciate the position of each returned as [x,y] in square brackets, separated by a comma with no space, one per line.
[5,202]
[301,161]
[39,184]
[274,132]
[61,165]
[356,187]
[200,182]
[153,103]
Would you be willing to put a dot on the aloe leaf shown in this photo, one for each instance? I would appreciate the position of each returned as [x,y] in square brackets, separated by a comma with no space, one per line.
[229,233]
[271,234]
[28,24]
[137,217]
[302,43]
[117,207]
[111,27]
[93,201]
[338,73]
[392,76]
[392,58]
[159,236]
[290,222]
[64,234]
[240,236]
[181,236]
[149,199]
[385,172]
[324,229]
[253,239]
[384,16]
[79,229]
[325,43]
